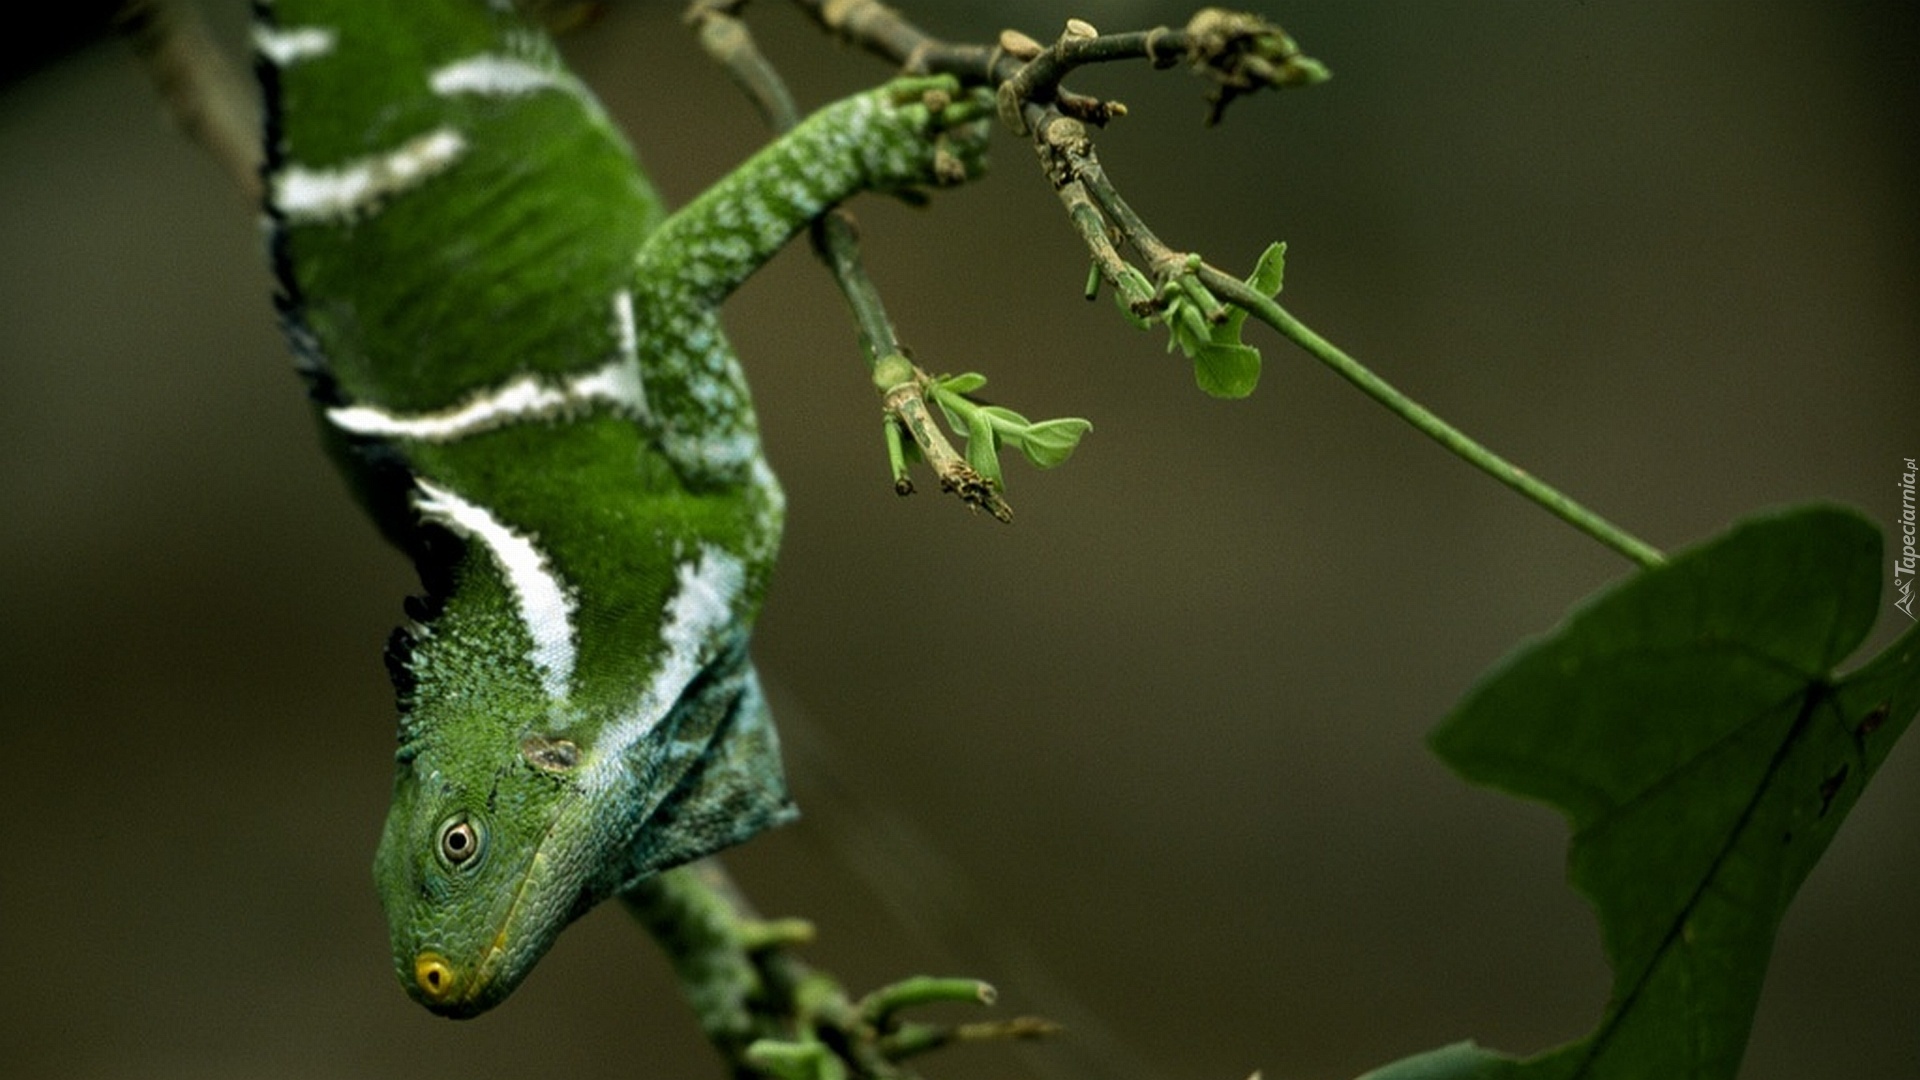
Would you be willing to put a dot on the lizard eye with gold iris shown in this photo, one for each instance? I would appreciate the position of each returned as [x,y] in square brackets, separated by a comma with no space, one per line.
[460,842]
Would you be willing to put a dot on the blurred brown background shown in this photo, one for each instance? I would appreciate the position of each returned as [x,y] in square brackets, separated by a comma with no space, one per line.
[1151,758]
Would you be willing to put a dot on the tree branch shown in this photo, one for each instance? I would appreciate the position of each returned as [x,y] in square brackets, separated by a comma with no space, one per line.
[1238,54]
[208,102]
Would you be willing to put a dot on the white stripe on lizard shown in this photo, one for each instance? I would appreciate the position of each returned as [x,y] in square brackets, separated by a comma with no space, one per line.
[287,45]
[546,604]
[342,193]
[700,610]
[493,75]
[616,383]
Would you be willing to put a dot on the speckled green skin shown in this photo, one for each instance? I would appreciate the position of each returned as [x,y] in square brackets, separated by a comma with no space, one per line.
[455,226]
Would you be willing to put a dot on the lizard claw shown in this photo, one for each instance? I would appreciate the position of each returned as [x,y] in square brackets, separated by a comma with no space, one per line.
[945,128]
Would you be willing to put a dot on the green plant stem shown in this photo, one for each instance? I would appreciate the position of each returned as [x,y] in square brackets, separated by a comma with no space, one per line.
[837,242]
[878,1007]
[1548,497]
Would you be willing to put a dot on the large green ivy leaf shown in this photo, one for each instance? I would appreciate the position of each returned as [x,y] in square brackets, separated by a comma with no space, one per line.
[1689,724]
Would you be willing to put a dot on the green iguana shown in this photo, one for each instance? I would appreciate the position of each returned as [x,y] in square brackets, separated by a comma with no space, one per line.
[516,357]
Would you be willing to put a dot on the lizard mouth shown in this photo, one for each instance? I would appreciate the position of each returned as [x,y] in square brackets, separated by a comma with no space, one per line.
[447,990]
[443,989]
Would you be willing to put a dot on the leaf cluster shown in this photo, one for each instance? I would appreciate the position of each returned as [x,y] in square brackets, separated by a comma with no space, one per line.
[1208,330]
[988,428]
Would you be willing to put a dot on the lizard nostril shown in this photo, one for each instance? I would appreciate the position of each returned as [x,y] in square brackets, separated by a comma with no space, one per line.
[433,975]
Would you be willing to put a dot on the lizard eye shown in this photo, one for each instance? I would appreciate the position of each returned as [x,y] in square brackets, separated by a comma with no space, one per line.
[460,842]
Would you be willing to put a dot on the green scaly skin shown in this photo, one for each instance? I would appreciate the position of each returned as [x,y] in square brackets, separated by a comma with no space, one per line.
[515,355]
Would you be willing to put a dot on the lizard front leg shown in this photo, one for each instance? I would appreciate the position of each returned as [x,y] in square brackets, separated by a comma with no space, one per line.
[911,133]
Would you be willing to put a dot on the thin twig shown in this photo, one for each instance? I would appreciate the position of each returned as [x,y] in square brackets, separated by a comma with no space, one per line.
[1096,209]
[727,42]
[914,1039]
[211,105]
[875,27]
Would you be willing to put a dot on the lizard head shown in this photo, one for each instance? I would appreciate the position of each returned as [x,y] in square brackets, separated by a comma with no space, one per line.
[516,808]
[485,858]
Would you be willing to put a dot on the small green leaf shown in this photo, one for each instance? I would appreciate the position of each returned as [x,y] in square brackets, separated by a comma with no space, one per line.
[1005,421]
[964,383]
[1227,371]
[1269,271]
[982,452]
[952,406]
[1050,442]
[1265,280]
